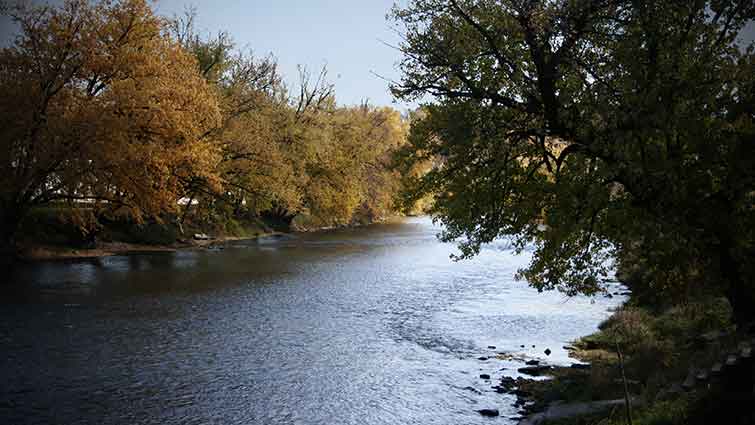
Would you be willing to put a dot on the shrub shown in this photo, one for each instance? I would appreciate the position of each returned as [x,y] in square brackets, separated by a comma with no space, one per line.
[687,321]
[629,327]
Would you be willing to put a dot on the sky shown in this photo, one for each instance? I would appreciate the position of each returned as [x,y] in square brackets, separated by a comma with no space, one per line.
[351,37]
[348,36]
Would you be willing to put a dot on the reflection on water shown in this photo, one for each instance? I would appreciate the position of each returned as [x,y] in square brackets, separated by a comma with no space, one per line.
[365,326]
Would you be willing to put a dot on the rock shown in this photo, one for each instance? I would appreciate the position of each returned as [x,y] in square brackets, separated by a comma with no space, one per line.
[507,384]
[534,370]
[492,347]
[558,411]
[580,366]
[201,236]
[569,348]
[547,351]
[473,389]
[489,412]
[533,345]
[522,346]
[482,358]
[484,376]
[520,393]
[532,362]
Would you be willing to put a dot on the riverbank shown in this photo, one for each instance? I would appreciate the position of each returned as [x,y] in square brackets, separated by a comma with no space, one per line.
[59,233]
[54,234]
[40,252]
[677,365]
[329,322]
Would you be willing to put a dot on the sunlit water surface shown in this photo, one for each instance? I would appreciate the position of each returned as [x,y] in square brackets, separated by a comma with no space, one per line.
[372,325]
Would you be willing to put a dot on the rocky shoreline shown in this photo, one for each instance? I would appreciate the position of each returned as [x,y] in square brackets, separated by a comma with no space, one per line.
[711,372]
[536,396]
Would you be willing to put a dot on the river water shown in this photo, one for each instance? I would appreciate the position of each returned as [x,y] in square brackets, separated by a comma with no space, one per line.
[373,325]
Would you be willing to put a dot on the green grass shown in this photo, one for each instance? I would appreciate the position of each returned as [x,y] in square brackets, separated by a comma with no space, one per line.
[659,350]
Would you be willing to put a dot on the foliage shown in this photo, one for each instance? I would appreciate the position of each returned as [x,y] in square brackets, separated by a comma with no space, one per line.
[293,154]
[660,349]
[628,327]
[123,115]
[350,167]
[99,105]
[688,321]
[592,131]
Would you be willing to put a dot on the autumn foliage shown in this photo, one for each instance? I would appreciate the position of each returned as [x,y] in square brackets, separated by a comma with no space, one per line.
[107,105]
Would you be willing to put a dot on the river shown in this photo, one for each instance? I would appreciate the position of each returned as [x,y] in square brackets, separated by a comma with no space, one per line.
[373,325]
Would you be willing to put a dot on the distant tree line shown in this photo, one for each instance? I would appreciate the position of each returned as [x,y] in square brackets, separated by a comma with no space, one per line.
[105,104]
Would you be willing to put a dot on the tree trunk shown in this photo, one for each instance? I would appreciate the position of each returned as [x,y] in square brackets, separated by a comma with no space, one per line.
[627,399]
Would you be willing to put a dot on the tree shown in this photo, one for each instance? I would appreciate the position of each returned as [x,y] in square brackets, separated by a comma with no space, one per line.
[99,105]
[287,154]
[348,152]
[593,130]
[109,109]
[256,174]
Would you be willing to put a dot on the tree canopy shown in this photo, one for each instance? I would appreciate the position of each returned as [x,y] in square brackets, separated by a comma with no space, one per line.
[111,109]
[99,105]
[591,130]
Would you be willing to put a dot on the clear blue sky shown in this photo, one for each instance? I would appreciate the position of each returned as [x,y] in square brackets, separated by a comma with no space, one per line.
[347,35]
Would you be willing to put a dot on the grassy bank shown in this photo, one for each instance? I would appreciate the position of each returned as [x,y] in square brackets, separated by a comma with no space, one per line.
[674,368]
[62,232]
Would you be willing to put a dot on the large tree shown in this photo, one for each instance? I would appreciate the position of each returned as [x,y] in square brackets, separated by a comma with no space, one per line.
[99,104]
[592,130]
